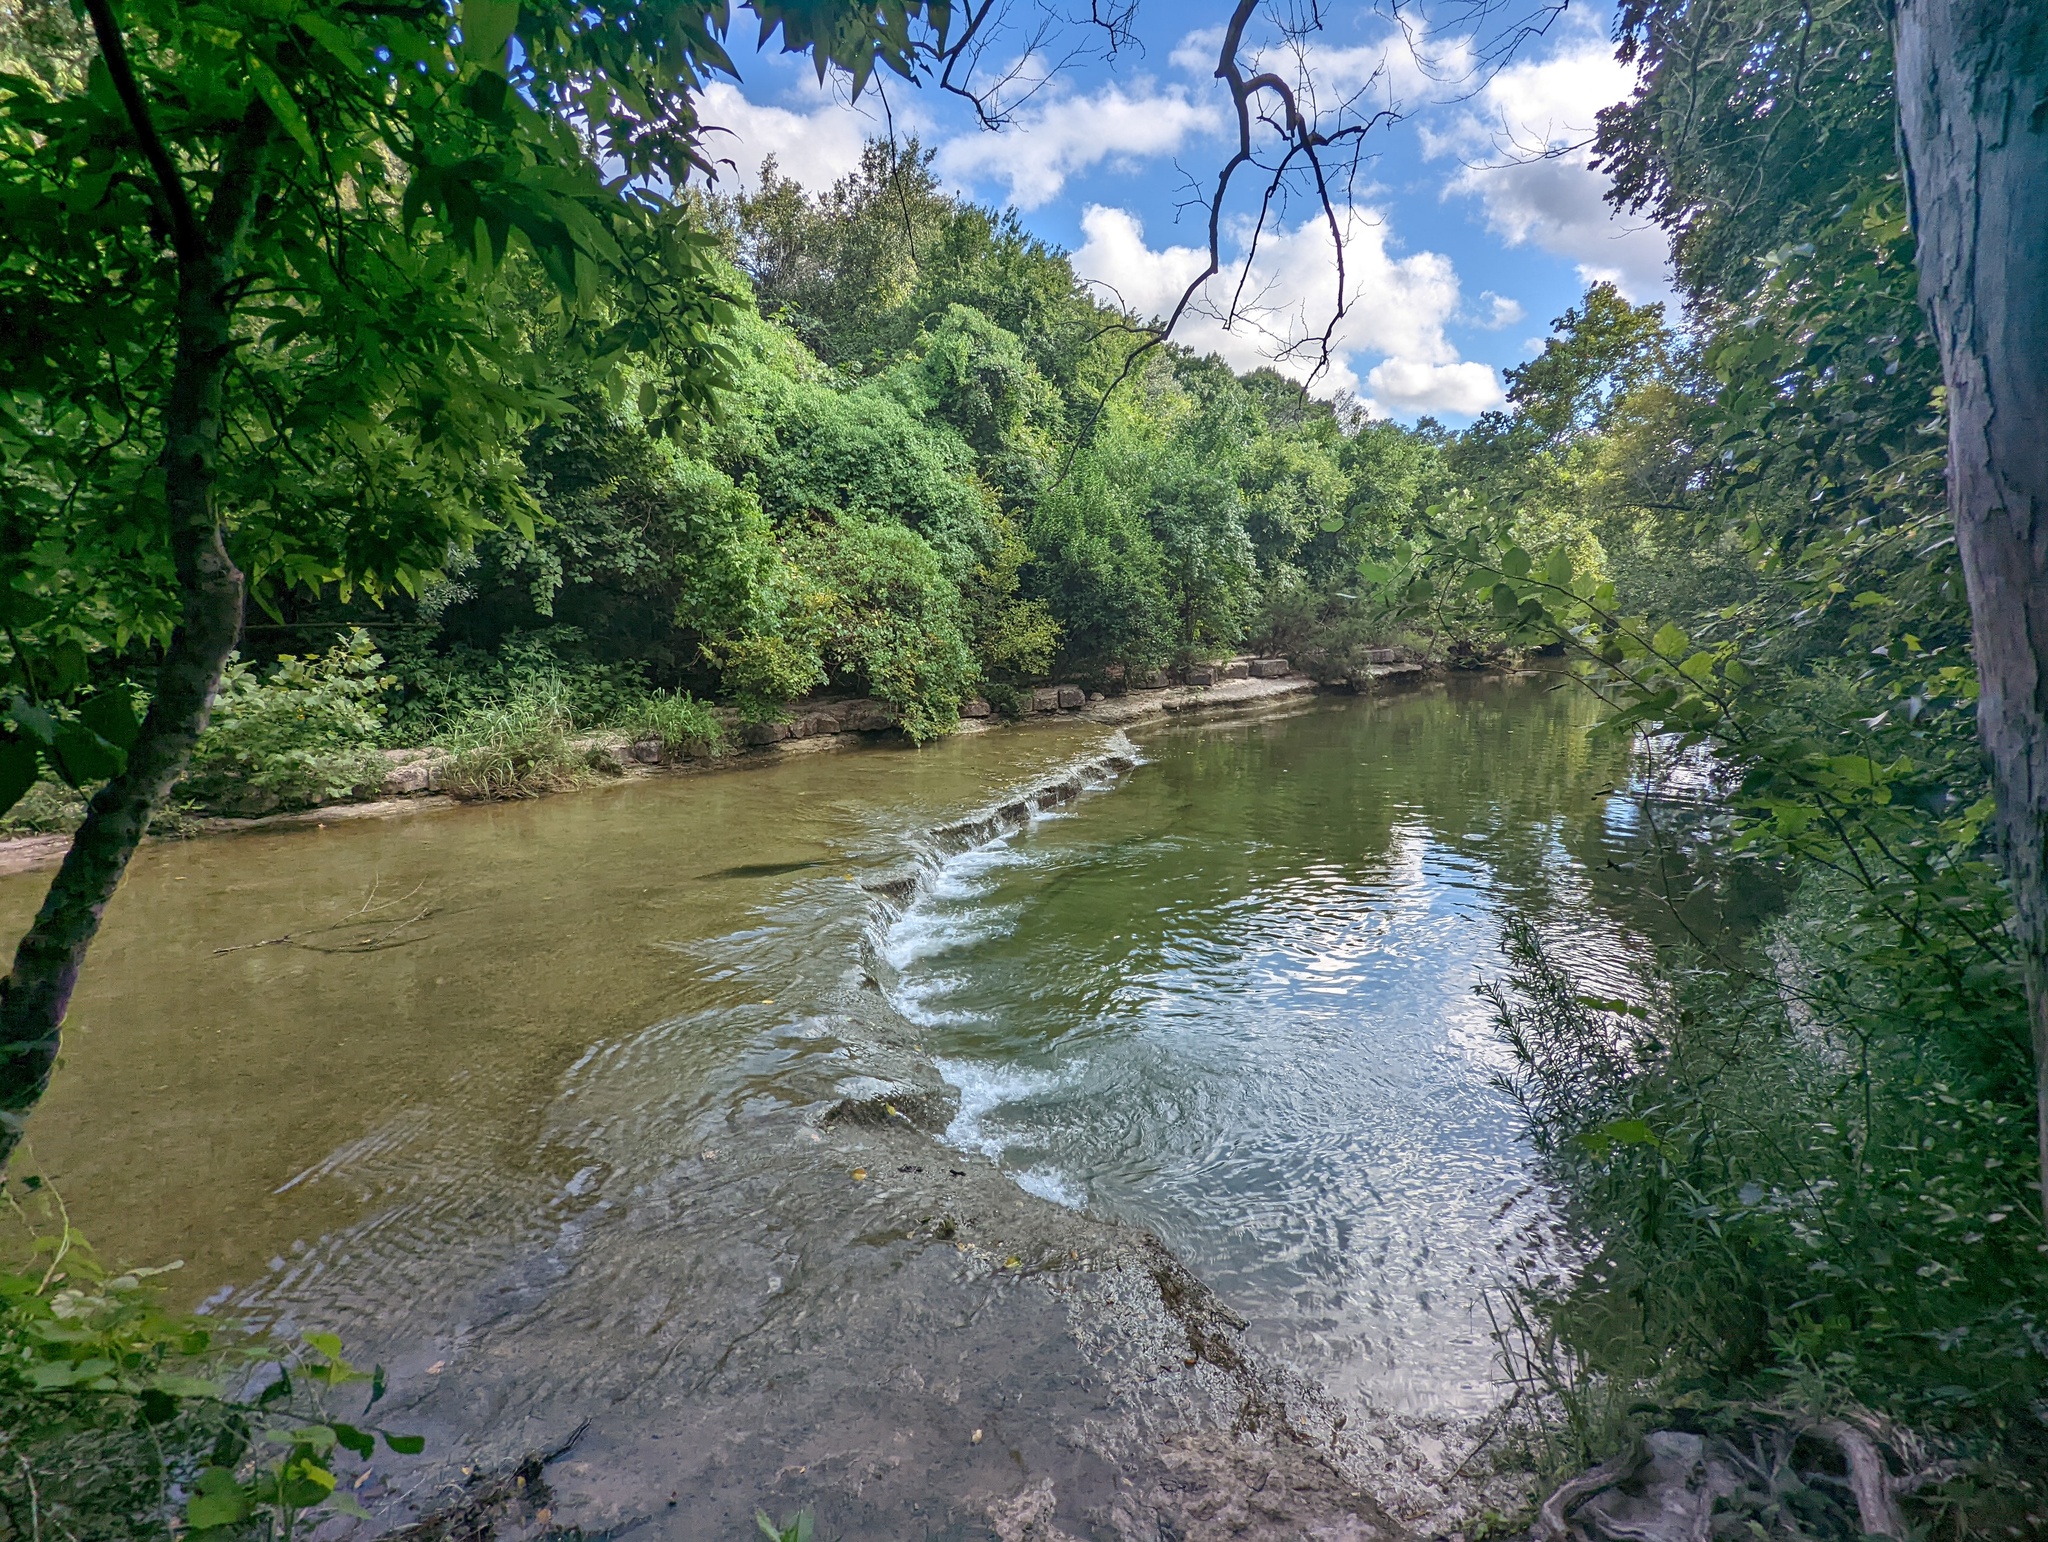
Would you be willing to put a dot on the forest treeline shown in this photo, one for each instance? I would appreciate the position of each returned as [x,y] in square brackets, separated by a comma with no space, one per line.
[941,469]
[737,450]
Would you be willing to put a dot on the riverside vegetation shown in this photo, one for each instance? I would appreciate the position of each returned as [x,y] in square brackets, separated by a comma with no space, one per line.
[726,452]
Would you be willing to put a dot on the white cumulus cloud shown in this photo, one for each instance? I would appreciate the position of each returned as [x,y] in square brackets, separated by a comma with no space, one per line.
[1398,309]
[1069,131]
[1525,144]
[1499,312]
[814,144]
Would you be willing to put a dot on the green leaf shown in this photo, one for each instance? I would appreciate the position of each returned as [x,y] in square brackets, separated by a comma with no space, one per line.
[334,40]
[1616,1132]
[487,26]
[36,722]
[405,1445]
[19,766]
[345,1502]
[1375,572]
[66,668]
[1515,562]
[185,1386]
[1669,641]
[359,1441]
[111,715]
[279,100]
[1557,568]
[85,757]
[216,1500]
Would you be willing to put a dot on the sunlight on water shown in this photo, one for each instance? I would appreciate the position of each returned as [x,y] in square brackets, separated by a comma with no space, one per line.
[1218,985]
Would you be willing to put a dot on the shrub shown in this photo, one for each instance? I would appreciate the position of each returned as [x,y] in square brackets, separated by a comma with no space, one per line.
[1829,1200]
[443,686]
[118,1421]
[48,808]
[303,733]
[894,620]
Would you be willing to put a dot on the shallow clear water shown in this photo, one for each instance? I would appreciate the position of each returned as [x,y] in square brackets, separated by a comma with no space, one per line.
[1227,995]
[1234,1003]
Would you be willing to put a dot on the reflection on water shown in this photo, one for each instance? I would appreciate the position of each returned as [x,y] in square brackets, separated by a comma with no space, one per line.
[1234,1005]
[1230,1000]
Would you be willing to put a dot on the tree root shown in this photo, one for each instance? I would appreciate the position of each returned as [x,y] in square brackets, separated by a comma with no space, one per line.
[1552,1520]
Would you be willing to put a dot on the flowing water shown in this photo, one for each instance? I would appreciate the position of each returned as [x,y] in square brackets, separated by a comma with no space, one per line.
[535,1090]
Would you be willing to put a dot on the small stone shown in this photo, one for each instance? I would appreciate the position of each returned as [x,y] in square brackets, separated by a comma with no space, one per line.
[405,781]
[763,733]
[1045,698]
[974,706]
[1383,655]
[1201,674]
[1072,696]
[1270,669]
[1237,669]
[1095,696]
[646,751]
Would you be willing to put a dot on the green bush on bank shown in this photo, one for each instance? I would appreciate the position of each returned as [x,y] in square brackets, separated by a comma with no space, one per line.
[683,724]
[302,732]
[516,748]
[1799,1189]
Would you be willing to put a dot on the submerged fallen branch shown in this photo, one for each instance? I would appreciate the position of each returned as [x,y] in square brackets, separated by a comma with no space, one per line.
[373,942]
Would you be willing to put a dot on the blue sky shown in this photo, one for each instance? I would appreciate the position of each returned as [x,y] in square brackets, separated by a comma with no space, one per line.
[1461,243]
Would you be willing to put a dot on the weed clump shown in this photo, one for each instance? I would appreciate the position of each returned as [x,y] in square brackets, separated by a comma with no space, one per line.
[683,724]
[518,748]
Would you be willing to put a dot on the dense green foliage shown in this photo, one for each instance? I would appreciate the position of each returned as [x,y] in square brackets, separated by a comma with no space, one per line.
[582,459]
[1803,1159]
[119,1415]
[917,487]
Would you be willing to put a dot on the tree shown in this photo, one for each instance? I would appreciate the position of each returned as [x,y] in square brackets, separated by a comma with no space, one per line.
[246,333]
[1973,117]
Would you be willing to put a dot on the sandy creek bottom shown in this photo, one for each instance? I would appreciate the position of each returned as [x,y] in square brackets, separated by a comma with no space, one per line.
[782,1130]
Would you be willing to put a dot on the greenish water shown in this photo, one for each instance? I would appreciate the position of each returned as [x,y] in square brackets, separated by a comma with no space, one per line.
[534,1091]
[1233,1002]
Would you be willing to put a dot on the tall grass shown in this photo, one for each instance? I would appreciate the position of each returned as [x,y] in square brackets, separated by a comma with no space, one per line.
[516,748]
[683,724]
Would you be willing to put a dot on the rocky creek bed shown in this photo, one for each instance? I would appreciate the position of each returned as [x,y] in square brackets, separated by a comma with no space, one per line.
[611,1125]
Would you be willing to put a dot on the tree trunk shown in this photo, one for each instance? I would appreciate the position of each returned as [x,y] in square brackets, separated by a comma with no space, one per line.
[36,994]
[1973,117]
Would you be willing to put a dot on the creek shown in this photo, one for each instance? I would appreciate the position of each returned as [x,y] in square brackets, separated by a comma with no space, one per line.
[557,1105]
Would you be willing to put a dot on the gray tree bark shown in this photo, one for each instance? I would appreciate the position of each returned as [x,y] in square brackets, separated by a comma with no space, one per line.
[37,991]
[1973,119]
